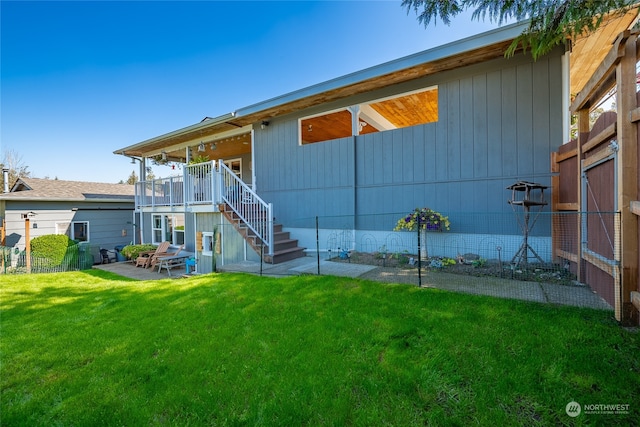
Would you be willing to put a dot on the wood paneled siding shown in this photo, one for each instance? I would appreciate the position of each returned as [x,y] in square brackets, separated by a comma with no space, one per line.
[498,123]
[234,246]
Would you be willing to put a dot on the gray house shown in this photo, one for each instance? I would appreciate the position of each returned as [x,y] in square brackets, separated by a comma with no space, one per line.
[450,128]
[97,214]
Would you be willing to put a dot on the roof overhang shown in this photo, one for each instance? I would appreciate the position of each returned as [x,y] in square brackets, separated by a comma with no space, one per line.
[469,51]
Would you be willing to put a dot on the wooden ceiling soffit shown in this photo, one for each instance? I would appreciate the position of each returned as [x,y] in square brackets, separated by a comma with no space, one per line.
[187,138]
[588,52]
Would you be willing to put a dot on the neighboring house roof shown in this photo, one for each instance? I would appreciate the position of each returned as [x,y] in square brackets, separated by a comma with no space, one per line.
[58,190]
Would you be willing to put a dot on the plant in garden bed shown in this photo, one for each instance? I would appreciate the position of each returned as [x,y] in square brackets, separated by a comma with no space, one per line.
[428,220]
[132,251]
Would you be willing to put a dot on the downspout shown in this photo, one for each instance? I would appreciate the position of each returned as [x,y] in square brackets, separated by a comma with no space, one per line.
[253,160]
[566,95]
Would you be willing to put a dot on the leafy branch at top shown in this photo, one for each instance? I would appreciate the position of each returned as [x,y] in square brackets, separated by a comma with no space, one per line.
[551,22]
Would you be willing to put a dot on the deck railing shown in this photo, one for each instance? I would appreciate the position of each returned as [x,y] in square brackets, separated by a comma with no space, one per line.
[250,208]
[160,192]
[201,184]
[205,184]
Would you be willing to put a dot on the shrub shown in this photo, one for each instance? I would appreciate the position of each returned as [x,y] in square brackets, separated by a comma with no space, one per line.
[52,248]
[132,251]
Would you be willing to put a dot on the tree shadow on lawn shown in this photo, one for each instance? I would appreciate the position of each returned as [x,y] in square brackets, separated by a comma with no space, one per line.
[89,289]
[107,275]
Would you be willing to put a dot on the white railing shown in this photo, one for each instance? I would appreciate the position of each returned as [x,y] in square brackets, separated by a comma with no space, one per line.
[201,184]
[160,192]
[204,184]
[250,208]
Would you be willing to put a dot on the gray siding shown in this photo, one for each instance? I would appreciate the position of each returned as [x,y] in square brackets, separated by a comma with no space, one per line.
[498,123]
[106,221]
[232,244]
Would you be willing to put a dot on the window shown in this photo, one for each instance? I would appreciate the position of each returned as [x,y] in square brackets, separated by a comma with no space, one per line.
[235,165]
[80,231]
[396,112]
[167,228]
[156,229]
[207,243]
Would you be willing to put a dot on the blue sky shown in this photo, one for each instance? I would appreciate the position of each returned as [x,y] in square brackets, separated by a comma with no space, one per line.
[79,80]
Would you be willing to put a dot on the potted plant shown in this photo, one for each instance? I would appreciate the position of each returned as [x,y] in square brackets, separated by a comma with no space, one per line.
[428,219]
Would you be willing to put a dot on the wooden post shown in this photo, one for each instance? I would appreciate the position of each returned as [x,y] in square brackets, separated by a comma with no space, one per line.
[627,177]
[27,244]
[583,137]
[3,238]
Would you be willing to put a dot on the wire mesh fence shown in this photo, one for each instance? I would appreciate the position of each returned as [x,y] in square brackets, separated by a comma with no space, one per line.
[15,261]
[564,258]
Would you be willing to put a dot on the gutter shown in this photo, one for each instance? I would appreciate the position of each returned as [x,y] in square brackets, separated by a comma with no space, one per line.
[129,199]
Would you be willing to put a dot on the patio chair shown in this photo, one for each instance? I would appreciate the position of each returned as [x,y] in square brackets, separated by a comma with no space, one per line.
[144,258]
[154,258]
[107,256]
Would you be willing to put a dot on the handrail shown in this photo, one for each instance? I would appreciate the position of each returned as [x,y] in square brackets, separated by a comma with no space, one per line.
[250,208]
[204,184]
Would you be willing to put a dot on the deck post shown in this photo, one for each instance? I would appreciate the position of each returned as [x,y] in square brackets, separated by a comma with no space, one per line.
[627,177]
[270,223]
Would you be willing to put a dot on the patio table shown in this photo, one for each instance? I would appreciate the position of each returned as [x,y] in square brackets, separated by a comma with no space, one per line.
[170,261]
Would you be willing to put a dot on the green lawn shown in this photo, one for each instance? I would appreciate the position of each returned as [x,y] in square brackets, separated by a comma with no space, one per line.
[91,348]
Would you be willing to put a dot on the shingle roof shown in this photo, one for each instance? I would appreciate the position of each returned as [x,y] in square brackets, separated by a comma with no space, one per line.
[53,189]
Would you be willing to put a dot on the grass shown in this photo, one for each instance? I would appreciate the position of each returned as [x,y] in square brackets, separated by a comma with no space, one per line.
[92,348]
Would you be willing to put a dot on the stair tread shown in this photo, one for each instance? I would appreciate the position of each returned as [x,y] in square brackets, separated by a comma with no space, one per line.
[280,238]
[285,251]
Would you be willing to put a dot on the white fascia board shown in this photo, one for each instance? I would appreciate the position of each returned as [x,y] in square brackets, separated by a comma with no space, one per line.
[488,38]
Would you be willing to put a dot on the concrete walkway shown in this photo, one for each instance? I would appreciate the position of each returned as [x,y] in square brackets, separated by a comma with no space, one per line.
[129,269]
[580,296]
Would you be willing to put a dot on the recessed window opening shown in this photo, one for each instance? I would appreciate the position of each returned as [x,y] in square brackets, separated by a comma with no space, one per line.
[393,112]
[168,228]
[80,231]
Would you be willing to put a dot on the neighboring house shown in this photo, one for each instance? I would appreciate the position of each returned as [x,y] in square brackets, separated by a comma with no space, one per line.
[450,128]
[97,214]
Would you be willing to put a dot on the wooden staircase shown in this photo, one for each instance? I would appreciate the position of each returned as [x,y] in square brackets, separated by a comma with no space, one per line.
[284,248]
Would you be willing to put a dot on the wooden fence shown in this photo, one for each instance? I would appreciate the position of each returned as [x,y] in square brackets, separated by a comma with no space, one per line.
[597,173]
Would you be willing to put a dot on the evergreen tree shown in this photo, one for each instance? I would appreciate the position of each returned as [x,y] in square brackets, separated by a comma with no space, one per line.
[133,178]
[551,22]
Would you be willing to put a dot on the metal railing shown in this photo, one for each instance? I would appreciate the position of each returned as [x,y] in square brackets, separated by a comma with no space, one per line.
[247,205]
[201,184]
[204,184]
[160,192]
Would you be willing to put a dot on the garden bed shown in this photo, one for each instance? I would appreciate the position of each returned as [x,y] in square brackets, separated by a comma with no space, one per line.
[469,264]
